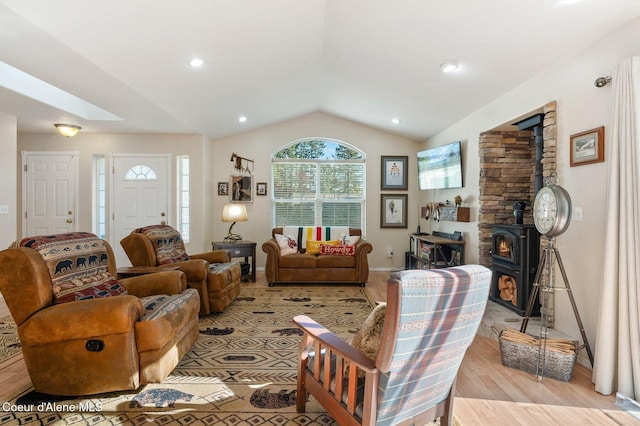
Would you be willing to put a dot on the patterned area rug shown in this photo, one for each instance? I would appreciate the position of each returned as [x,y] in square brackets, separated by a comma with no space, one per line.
[242,370]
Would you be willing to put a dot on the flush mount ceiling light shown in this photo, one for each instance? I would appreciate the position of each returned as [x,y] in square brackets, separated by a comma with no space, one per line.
[449,66]
[396,120]
[196,63]
[242,119]
[67,130]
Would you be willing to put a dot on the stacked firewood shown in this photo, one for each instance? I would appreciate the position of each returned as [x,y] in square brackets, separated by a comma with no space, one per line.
[557,345]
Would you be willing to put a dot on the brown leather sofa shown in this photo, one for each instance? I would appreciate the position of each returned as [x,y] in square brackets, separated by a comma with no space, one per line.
[316,268]
[213,274]
[82,330]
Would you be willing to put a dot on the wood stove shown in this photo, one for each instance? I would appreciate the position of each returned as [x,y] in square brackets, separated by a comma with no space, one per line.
[515,252]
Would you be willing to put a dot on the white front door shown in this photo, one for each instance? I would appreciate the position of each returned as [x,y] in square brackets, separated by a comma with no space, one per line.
[49,192]
[140,196]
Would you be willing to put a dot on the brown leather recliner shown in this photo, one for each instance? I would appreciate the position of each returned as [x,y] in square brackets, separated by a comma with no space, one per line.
[213,274]
[83,331]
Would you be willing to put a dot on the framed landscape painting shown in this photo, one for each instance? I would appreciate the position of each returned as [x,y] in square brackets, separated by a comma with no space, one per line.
[587,147]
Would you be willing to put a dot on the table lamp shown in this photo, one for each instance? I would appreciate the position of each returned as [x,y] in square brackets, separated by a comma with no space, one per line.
[234,213]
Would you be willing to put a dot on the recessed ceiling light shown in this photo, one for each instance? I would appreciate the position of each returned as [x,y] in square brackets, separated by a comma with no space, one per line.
[242,119]
[449,66]
[396,120]
[196,63]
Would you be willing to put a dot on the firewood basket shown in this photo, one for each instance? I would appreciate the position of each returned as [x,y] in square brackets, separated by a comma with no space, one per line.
[522,351]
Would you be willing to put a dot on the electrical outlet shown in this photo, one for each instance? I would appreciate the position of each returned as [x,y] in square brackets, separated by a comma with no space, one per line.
[389,251]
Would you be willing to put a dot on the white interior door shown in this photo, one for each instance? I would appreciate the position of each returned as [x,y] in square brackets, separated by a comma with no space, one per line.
[49,192]
[140,196]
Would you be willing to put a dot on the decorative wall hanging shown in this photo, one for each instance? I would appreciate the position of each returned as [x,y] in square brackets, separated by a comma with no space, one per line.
[223,188]
[394,172]
[393,210]
[587,147]
[261,188]
[241,188]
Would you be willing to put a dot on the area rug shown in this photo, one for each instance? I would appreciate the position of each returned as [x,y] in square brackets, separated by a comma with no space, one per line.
[242,370]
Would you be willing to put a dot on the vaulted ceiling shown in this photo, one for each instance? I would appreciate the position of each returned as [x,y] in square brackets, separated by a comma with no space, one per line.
[269,60]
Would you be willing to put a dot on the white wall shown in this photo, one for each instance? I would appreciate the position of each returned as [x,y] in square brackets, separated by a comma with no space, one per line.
[260,144]
[8,165]
[581,106]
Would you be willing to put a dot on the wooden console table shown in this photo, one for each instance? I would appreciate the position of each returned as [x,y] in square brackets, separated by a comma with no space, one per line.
[241,248]
[436,257]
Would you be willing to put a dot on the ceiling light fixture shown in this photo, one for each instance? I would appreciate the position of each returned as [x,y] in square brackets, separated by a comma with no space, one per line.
[67,130]
[242,119]
[196,63]
[396,120]
[449,66]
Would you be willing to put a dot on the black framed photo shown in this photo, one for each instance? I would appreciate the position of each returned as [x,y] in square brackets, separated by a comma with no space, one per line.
[393,210]
[223,188]
[261,188]
[394,172]
[241,188]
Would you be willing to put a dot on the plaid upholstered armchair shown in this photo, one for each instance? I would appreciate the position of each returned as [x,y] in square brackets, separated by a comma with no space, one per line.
[431,319]
[213,274]
[82,330]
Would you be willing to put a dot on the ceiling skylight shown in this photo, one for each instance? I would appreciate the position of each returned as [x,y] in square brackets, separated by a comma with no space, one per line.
[27,85]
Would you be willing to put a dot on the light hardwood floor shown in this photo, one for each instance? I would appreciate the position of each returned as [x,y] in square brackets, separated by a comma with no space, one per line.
[487,392]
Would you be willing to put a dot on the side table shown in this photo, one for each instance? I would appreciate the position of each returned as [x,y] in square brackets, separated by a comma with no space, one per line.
[241,248]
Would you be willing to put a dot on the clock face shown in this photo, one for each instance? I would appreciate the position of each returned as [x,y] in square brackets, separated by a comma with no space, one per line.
[552,210]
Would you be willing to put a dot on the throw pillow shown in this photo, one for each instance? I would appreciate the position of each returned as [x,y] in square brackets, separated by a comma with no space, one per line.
[313,247]
[287,245]
[368,339]
[340,250]
[348,240]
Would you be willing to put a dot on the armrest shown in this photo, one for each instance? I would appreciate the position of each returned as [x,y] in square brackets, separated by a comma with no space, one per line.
[194,269]
[363,248]
[82,319]
[215,256]
[272,264]
[167,282]
[327,339]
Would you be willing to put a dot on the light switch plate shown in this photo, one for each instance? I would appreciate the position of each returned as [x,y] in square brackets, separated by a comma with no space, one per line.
[4,209]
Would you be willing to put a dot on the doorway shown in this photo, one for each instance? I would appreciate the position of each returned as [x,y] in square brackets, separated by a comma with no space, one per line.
[140,196]
[50,192]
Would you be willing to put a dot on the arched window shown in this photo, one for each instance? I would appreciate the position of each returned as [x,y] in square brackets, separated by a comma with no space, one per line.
[140,172]
[318,182]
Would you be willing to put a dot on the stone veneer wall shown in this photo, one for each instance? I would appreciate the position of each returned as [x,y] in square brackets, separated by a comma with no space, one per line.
[507,169]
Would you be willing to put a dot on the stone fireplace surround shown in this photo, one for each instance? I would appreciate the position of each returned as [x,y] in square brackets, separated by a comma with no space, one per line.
[507,169]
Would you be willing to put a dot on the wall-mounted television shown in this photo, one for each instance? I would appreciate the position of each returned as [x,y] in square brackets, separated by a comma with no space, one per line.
[440,167]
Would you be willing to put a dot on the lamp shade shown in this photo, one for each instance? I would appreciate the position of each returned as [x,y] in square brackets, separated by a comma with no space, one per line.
[234,213]
[67,130]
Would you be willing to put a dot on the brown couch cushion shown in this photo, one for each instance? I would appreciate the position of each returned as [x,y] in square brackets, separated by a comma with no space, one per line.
[301,261]
[335,261]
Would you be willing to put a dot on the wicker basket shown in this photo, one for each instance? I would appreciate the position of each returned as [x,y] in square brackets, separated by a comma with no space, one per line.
[521,351]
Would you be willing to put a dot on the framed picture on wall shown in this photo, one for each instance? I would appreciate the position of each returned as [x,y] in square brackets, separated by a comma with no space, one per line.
[240,186]
[261,188]
[393,172]
[587,147]
[223,188]
[393,210]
